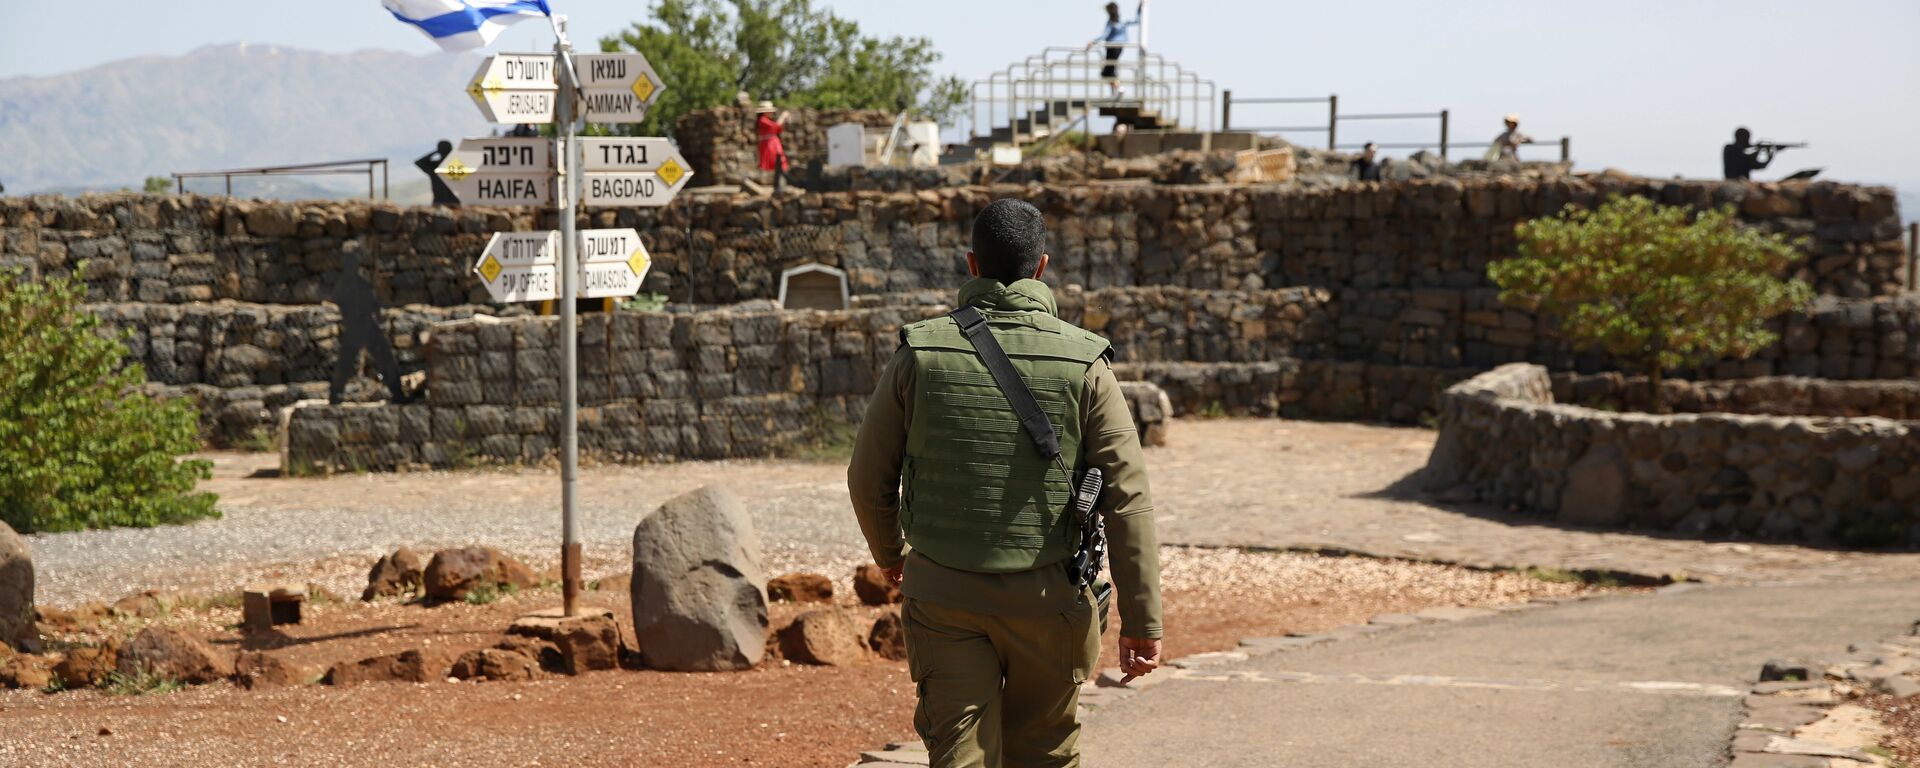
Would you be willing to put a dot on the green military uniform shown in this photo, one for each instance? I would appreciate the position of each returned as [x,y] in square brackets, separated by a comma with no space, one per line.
[943,481]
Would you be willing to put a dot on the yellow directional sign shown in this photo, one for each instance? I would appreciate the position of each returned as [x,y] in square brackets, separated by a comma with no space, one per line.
[613,262]
[516,88]
[616,87]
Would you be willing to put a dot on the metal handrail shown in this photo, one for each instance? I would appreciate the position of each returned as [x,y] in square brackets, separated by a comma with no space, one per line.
[1062,73]
[1335,117]
[337,167]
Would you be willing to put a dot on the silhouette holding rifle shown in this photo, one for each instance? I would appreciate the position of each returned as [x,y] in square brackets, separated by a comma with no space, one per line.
[1744,156]
[442,195]
[360,331]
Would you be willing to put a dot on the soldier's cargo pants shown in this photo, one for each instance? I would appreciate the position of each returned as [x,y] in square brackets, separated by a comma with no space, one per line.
[999,691]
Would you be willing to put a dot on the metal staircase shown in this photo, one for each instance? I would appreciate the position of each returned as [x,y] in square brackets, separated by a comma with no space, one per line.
[1032,99]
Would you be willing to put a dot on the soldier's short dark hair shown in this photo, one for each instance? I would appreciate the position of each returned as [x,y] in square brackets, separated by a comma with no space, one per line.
[1008,238]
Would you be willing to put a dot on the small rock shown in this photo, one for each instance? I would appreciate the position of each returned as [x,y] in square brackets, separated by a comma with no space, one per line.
[873,587]
[105,731]
[258,669]
[494,664]
[454,572]
[146,605]
[78,620]
[394,575]
[1899,686]
[16,589]
[173,655]
[403,667]
[619,583]
[826,637]
[587,642]
[801,588]
[25,671]
[889,637]
[87,667]
[544,653]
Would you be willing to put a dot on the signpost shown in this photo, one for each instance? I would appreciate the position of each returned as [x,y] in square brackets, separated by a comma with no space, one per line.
[612,263]
[616,87]
[521,266]
[564,88]
[516,88]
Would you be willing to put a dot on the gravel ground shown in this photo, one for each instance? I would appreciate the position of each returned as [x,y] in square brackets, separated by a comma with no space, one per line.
[329,530]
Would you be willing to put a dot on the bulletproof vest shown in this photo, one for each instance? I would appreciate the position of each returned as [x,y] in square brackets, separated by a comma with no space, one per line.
[976,494]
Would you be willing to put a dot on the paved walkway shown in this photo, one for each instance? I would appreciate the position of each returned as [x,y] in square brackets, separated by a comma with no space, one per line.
[1643,680]
[1323,485]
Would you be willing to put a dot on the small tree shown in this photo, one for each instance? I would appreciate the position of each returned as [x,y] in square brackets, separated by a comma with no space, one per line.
[158,185]
[80,445]
[1653,285]
[708,51]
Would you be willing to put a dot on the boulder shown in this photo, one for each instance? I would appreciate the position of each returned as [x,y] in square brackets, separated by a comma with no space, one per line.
[801,588]
[889,637]
[402,667]
[587,642]
[494,664]
[24,671]
[454,572]
[1596,491]
[173,655]
[87,667]
[259,669]
[826,636]
[16,589]
[699,600]
[873,586]
[400,573]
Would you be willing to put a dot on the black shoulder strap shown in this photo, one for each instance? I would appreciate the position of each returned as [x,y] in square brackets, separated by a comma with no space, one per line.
[973,325]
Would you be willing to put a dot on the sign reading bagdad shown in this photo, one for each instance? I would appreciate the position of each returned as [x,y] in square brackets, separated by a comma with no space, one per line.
[641,172]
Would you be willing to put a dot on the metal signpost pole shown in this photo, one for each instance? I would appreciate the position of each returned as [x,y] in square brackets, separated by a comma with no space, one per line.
[569,333]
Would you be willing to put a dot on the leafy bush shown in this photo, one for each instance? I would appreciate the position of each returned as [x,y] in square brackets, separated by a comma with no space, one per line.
[1655,286]
[80,445]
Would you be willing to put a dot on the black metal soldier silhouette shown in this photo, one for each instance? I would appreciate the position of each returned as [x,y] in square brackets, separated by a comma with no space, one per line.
[360,330]
[431,160]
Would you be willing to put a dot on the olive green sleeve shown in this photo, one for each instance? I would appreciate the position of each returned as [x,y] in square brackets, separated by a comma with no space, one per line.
[1110,442]
[873,476]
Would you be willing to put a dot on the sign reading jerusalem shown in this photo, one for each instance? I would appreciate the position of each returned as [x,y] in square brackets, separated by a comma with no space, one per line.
[516,88]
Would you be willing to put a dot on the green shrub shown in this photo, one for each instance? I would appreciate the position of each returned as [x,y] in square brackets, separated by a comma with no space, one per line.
[1657,287]
[80,445]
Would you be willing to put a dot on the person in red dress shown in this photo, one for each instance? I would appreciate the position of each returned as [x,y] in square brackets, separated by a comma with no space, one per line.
[773,156]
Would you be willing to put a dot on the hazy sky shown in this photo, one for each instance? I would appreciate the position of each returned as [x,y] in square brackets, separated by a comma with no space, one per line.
[1650,86]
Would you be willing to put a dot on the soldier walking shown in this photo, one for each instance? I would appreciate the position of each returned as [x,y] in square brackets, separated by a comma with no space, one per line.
[962,504]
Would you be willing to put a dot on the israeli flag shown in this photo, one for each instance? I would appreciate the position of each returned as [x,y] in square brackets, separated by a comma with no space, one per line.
[459,25]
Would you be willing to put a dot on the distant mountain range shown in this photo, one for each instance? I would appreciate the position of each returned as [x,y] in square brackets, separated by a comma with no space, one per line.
[231,106]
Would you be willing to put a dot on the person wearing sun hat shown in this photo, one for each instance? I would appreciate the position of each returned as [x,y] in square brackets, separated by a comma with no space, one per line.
[773,155]
[1506,146]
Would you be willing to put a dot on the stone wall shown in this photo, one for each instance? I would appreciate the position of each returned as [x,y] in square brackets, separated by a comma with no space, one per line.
[1769,395]
[723,383]
[1403,259]
[1504,441]
[722,147]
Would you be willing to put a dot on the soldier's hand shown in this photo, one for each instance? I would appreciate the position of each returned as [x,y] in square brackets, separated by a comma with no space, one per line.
[894,574]
[1138,655]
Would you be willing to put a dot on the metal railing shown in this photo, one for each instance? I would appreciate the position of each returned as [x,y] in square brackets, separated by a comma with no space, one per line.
[1061,82]
[309,169]
[1442,118]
